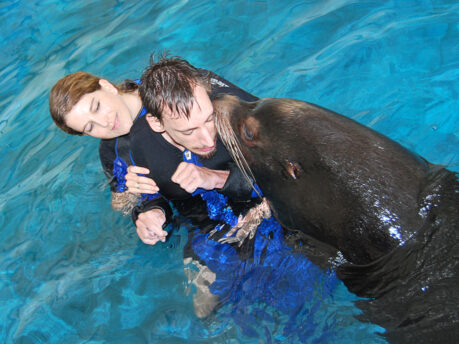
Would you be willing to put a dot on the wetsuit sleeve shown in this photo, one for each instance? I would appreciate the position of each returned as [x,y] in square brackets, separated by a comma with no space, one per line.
[237,187]
[107,155]
[157,203]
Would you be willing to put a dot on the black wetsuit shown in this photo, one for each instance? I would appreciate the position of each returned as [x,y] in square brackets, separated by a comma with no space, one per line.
[109,148]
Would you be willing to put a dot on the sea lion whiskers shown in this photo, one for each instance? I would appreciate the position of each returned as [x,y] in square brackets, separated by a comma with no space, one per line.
[231,142]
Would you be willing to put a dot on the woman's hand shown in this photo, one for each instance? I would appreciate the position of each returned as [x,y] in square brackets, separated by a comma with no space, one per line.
[137,184]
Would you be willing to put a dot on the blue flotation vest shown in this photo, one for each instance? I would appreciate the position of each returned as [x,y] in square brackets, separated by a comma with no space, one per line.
[274,274]
[217,203]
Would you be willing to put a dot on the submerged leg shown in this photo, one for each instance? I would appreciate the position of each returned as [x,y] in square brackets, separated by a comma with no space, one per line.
[204,302]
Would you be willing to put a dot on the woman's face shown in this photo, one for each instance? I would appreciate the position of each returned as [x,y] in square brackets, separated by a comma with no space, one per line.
[103,114]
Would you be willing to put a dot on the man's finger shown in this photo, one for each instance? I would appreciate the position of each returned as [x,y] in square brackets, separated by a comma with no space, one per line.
[187,176]
[189,186]
[153,236]
[149,236]
[150,230]
[180,173]
[149,241]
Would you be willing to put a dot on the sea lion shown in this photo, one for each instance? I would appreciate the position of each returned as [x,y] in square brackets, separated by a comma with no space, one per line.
[392,215]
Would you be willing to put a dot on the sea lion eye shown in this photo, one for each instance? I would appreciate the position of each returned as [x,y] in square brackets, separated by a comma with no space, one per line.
[247,132]
[293,169]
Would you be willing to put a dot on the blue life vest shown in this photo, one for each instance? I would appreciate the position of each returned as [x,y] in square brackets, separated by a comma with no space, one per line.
[217,203]
[274,275]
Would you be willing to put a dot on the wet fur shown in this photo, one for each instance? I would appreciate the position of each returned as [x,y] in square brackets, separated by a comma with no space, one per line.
[124,202]
[350,189]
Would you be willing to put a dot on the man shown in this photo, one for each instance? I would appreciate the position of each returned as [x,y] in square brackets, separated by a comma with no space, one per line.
[180,120]
[177,141]
[180,126]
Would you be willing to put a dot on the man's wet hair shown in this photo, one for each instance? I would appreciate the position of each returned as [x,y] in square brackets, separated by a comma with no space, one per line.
[168,83]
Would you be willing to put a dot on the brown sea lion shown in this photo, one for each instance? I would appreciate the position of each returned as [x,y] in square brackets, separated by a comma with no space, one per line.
[392,215]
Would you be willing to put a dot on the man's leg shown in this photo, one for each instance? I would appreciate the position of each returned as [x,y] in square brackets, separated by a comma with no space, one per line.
[204,302]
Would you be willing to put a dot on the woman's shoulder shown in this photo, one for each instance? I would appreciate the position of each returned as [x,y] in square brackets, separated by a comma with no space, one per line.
[139,128]
[107,147]
[110,148]
[144,140]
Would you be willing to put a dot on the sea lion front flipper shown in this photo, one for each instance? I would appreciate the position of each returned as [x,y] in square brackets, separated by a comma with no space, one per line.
[247,225]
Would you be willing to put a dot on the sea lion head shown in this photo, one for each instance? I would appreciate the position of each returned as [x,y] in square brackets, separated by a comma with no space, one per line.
[263,136]
[393,215]
[257,127]
[324,174]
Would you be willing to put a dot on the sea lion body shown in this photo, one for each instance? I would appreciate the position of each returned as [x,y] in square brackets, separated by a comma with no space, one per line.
[393,216]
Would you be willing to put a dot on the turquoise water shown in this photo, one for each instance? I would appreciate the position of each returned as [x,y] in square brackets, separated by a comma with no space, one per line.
[74,271]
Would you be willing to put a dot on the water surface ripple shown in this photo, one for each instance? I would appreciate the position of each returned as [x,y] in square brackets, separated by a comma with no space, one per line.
[73,270]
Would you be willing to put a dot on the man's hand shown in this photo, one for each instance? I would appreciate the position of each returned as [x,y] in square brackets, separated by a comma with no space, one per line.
[137,184]
[150,226]
[190,177]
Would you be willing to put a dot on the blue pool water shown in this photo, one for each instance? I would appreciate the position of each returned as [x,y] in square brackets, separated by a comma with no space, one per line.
[74,271]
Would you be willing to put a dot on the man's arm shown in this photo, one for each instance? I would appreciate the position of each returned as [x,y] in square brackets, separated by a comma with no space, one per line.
[191,177]
[231,182]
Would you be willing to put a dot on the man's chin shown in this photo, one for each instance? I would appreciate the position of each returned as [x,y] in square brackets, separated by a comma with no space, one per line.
[206,155]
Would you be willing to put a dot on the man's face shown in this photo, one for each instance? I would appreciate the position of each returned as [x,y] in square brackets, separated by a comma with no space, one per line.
[196,133]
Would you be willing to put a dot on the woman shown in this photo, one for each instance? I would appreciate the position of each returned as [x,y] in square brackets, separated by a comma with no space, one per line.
[84,104]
